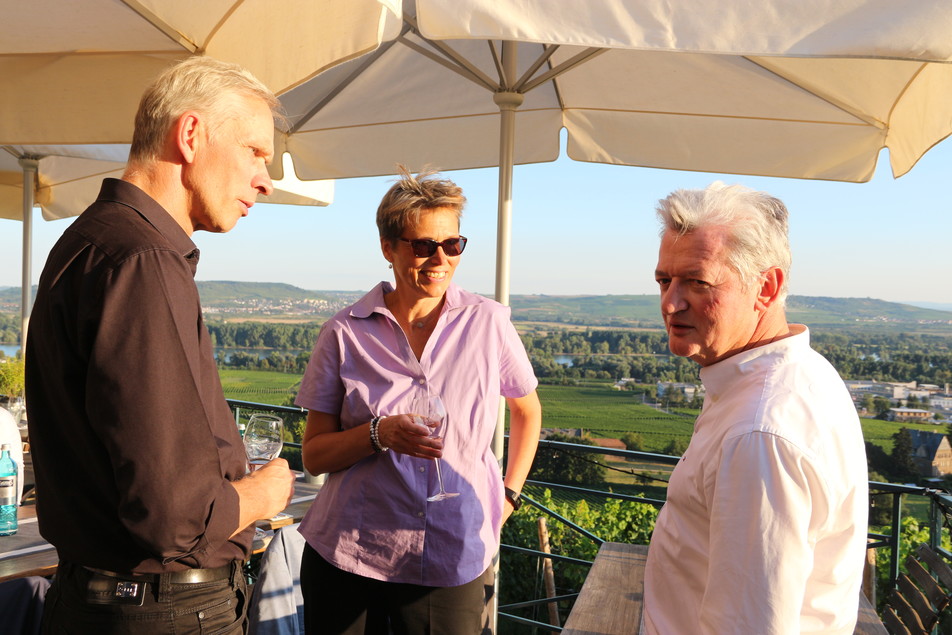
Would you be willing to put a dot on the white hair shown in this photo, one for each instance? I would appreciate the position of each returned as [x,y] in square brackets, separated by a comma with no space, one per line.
[756,223]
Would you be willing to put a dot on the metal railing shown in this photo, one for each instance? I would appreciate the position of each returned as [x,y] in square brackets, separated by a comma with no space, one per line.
[938,521]
[244,409]
[939,517]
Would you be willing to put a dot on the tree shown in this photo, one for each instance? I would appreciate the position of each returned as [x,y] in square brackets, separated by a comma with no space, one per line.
[12,377]
[697,401]
[881,405]
[675,447]
[565,466]
[877,461]
[633,441]
[903,464]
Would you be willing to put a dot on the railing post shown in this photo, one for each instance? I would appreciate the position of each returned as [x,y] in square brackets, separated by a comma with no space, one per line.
[895,538]
[935,525]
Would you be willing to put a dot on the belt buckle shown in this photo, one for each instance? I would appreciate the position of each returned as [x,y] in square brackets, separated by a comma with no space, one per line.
[104,590]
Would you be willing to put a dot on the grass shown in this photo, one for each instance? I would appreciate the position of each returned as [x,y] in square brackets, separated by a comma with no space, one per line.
[592,406]
[262,386]
[880,432]
[603,411]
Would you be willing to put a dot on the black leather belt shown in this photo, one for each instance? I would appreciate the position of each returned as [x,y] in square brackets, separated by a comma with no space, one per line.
[110,587]
[188,576]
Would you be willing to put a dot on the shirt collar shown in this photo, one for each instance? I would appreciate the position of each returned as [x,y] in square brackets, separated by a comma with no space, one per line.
[125,193]
[719,378]
[373,302]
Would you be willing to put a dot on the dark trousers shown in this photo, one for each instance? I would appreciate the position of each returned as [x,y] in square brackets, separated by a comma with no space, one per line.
[337,602]
[209,607]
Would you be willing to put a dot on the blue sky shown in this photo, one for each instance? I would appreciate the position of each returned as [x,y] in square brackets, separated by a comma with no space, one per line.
[590,229]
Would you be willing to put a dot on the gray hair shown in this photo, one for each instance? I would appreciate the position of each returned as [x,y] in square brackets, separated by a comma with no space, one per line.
[756,222]
[199,83]
[401,205]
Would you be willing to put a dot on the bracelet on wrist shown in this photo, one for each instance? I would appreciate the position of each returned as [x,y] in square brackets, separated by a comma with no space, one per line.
[375,436]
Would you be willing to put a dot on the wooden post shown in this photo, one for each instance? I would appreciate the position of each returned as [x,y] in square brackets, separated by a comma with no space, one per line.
[869,576]
[548,575]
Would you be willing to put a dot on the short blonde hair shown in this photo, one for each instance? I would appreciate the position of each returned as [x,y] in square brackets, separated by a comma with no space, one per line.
[410,195]
[757,225]
[199,83]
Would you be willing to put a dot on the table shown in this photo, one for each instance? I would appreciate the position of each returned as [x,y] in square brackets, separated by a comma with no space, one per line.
[612,598]
[26,553]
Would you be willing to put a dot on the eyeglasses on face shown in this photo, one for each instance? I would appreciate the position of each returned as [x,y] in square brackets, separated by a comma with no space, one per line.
[426,247]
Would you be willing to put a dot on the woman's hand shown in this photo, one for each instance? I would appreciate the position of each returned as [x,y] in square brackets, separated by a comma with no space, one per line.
[408,434]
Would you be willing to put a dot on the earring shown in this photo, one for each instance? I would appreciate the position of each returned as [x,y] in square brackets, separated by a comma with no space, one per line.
[390,266]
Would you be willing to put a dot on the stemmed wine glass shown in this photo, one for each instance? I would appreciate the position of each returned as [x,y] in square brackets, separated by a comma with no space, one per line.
[432,410]
[263,439]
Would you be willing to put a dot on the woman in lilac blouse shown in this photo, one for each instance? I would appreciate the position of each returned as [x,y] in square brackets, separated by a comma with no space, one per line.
[379,556]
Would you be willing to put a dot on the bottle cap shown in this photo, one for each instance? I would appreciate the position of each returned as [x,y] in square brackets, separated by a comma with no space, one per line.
[5,446]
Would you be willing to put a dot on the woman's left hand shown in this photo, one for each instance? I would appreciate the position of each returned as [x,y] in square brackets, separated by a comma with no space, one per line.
[402,433]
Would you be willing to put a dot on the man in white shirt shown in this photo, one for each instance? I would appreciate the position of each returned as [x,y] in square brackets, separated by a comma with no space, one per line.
[764,529]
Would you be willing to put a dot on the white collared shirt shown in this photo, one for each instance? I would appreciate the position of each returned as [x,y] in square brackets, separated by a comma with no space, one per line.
[764,529]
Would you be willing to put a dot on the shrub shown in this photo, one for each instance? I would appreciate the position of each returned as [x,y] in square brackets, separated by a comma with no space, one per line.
[12,377]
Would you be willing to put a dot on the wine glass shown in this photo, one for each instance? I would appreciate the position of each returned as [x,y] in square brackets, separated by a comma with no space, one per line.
[432,414]
[263,439]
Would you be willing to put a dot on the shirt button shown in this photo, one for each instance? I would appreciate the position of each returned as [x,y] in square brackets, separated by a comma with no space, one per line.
[422,469]
[421,381]
[419,514]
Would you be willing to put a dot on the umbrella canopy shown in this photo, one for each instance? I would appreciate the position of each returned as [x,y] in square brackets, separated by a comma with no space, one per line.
[772,88]
[66,180]
[72,72]
[782,88]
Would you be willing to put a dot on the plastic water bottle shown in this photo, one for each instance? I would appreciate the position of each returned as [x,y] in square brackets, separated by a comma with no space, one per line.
[8,492]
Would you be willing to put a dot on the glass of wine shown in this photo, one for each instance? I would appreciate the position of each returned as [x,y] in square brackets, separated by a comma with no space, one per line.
[264,436]
[432,414]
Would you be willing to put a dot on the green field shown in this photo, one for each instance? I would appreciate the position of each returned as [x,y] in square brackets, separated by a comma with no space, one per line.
[880,432]
[261,386]
[594,407]
[602,411]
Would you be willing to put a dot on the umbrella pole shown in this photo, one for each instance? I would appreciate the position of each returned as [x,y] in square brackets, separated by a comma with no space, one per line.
[508,101]
[30,167]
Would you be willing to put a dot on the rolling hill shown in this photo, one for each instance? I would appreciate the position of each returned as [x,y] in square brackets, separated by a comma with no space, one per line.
[257,299]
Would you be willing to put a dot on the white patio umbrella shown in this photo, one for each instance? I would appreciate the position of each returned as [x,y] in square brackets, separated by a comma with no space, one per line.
[773,88]
[66,179]
[72,72]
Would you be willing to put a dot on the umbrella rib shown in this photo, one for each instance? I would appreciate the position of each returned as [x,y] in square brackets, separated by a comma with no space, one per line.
[373,57]
[461,63]
[564,67]
[547,51]
[497,62]
[162,26]
[461,67]
[836,103]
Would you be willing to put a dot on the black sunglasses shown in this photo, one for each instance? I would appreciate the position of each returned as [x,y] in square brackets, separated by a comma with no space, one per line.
[426,247]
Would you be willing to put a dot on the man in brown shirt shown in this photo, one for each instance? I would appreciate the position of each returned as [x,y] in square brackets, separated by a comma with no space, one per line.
[140,470]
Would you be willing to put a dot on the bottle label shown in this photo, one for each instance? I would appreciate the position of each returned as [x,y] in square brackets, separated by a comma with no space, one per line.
[8,490]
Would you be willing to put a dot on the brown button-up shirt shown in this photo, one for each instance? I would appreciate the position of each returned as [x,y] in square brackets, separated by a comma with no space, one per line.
[133,443]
